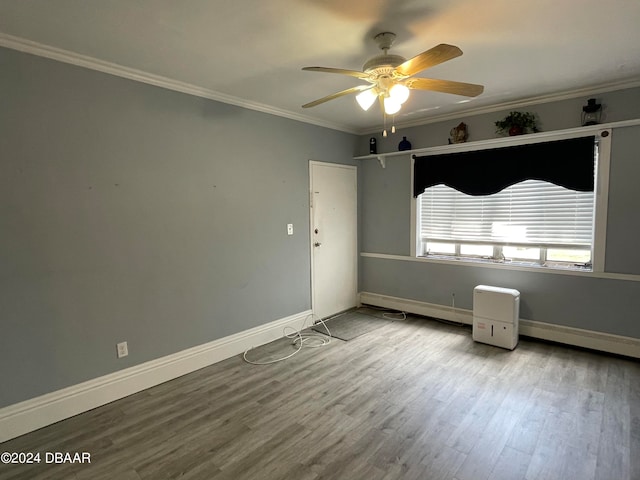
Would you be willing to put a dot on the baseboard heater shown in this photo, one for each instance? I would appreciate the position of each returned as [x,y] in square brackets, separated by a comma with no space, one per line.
[496,312]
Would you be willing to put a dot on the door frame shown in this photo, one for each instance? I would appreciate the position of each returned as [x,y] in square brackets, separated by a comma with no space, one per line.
[311,227]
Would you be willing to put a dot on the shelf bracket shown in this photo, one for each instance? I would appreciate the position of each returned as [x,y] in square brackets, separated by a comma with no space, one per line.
[382,161]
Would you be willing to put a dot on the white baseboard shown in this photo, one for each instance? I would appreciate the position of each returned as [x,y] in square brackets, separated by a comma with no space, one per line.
[604,342]
[442,312]
[35,413]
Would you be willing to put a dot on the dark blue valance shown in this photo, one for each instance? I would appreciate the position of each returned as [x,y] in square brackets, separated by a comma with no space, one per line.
[568,163]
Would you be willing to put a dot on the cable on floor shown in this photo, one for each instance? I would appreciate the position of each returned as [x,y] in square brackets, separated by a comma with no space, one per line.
[300,340]
[388,313]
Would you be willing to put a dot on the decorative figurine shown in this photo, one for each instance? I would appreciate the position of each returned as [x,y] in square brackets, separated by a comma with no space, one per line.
[459,134]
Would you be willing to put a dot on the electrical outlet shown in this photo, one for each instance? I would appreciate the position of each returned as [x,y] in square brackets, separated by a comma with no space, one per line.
[289,228]
[123,349]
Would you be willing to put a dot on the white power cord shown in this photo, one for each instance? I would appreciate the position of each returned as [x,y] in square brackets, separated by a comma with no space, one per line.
[453,306]
[455,321]
[390,315]
[300,340]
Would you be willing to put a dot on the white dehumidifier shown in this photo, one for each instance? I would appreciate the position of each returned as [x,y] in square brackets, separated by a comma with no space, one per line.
[495,316]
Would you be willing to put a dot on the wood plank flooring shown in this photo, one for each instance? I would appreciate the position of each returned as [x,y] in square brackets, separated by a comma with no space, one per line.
[415,399]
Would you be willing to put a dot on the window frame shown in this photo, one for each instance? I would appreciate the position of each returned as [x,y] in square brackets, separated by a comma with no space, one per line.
[601,194]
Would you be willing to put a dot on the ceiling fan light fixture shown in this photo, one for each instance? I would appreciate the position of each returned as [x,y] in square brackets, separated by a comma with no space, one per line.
[391,77]
[399,93]
[366,98]
[391,106]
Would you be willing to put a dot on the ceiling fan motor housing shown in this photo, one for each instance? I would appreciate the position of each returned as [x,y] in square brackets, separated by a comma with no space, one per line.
[383,63]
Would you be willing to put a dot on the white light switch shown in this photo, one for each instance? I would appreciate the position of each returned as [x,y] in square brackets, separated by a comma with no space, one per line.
[289,228]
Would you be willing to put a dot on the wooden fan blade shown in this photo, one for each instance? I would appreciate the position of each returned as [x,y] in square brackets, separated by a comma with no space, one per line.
[341,71]
[445,86]
[359,88]
[438,54]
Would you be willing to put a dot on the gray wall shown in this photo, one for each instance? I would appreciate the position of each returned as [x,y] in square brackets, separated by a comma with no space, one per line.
[130,212]
[597,304]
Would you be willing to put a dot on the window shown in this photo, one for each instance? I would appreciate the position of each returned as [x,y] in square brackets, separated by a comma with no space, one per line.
[526,222]
[532,222]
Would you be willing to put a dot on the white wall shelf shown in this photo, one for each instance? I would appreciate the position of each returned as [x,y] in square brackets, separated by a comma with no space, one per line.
[497,142]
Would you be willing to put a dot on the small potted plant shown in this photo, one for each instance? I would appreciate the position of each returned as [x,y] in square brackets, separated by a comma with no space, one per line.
[517,123]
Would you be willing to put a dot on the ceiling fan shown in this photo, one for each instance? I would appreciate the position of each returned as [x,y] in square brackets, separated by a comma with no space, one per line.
[390,77]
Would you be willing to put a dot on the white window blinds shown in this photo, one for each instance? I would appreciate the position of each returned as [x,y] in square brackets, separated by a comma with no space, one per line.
[531,212]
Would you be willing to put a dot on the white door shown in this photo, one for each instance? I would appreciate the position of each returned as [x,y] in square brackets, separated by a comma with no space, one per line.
[334,247]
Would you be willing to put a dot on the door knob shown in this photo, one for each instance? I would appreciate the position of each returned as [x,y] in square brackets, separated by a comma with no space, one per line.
[317,244]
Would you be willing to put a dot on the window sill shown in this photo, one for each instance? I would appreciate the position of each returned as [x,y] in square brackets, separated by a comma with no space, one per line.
[507,262]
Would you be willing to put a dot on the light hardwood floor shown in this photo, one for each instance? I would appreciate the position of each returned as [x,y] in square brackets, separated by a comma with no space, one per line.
[415,399]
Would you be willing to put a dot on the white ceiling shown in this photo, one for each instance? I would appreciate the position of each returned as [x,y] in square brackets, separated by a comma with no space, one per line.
[251,51]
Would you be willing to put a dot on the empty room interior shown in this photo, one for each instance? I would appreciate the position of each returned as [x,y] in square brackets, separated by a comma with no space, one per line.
[308,239]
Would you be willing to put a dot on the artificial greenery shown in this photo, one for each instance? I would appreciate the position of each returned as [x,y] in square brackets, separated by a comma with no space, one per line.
[522,120]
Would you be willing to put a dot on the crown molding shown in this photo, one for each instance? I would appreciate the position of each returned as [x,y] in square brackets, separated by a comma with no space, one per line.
[520,103]
[85,61]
